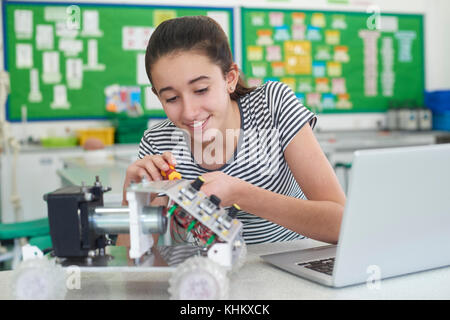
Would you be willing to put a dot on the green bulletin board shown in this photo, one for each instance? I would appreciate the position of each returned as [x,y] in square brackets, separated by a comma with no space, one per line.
[336,62]
[64,60]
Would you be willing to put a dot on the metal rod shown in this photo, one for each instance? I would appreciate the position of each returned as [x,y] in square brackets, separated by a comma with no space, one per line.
[109,220]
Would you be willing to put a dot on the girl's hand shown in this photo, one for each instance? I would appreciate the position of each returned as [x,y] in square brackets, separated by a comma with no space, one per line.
[149,167]
[225,187]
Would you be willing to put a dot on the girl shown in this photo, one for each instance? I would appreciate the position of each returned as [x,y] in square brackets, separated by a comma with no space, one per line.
[253,146]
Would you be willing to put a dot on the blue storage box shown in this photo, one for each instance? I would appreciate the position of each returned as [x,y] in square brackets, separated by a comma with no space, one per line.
[441,120]
[438,101]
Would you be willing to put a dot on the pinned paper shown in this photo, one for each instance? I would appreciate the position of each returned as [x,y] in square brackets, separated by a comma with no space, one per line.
[222,19]
[142,78]
[290,82]
[35,94]
[328,101]
[318,20]
[136,38]
[273,53]
[151,100]
[51,72]
[313,34]
[254,53]
[23,24]
[298,18]
[332,37]
[319,69]
[313,100]
[338,85]
[257,19]
[405,39]
[338,21]
[301,98]
[387,61]
[24,56]
[305,85]
[44,37]
[298,32]
[54,14]
[370,39]
[322,53]
[91,24]
[70,47]
[276,19]
[60,97]
[334,69]
[62,30]
[388,23]
[93,64]
[341,54]
[123,99]
[74,73]
[254,82]
[344,101]
[298,59]
[278,69]
[163,15]
[281,34]
[322,85]
[259,69]
[264,37]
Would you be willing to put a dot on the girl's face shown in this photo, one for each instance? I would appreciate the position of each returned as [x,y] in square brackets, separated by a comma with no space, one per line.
[195,94]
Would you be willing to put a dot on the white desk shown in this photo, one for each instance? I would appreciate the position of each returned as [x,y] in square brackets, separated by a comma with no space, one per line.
[256,280]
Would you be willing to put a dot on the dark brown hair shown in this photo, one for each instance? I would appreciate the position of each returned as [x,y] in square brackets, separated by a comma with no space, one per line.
[193,33]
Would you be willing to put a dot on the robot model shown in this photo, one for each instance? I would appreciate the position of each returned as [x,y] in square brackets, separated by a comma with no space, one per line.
[80,227]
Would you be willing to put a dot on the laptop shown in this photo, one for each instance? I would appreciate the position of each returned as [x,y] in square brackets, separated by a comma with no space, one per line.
[396,220]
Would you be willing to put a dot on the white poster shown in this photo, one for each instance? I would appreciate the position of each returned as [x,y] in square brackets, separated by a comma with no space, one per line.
[24,56]
[44,37]
[51,72]
[151,100]
[23,24]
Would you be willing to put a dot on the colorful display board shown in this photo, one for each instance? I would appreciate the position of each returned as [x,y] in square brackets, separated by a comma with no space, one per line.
[336,62]
[74,61]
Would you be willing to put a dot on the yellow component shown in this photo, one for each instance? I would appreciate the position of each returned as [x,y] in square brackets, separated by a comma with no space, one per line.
[171,174]
[201,179]
[215,215]
[186,202]
[106,135]
[174,175]
[225,232]
[205,218]
[236,206]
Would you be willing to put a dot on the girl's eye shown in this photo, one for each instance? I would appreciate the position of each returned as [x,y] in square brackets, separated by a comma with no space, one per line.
[171,99]
[202,90]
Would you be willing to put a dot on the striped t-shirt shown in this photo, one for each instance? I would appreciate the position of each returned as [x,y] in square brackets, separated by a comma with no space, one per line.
[271,115]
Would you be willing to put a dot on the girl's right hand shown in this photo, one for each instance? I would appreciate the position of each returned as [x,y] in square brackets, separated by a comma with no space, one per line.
[149,168]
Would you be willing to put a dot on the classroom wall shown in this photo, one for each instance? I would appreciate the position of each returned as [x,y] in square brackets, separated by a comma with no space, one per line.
[437,63]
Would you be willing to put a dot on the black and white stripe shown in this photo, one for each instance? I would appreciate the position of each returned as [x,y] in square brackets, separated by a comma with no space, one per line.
[271,115]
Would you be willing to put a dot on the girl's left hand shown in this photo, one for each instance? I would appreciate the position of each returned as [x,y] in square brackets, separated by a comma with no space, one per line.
[225,187]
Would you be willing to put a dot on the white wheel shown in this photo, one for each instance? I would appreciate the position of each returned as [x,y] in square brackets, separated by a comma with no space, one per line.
[39,279]
[199,278]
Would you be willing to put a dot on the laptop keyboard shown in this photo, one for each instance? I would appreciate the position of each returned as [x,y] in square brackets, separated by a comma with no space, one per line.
[323,266]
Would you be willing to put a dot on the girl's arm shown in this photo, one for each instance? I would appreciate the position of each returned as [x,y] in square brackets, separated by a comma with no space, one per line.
[318,218]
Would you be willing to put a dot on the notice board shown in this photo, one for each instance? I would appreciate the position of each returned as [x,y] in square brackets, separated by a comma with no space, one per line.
[65,59]
[336,62]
